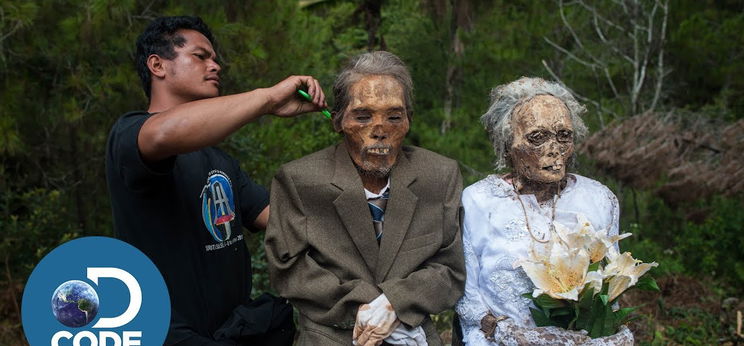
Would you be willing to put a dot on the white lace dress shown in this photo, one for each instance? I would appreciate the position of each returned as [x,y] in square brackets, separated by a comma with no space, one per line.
[495,235]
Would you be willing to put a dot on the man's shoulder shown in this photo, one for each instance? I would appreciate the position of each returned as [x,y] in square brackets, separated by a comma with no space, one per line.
[319,161]
[129,119]
[133,115]
[421,157]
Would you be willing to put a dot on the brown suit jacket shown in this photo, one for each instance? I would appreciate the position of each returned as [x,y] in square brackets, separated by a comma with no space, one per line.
[322,252]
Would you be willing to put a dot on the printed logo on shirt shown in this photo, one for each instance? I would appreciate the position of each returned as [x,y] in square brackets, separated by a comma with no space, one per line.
[95,291]
[218,206]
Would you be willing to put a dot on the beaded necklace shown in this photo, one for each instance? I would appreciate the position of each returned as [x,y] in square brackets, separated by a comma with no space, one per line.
[526,218]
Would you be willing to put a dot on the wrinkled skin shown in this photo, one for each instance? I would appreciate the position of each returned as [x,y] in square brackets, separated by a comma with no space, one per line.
[542,145]
[374,125]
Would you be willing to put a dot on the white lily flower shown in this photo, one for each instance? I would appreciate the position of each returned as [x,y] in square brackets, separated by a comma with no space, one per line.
[596,243]
[561,275]
[617,285]
[595,279]
[624,271]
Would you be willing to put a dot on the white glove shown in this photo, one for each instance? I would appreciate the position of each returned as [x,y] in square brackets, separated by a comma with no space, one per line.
[508,333]
[407,336]
[623,337]
[374,322]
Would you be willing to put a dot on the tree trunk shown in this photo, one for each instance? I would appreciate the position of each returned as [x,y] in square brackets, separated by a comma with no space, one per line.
[77,185]
[460,20]
[372,20]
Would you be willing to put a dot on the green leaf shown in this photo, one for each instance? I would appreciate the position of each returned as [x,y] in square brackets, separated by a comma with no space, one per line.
[583,319]
[602,319]
[593,267]
[585,298]
[610,322]
[647,283]
[621,315]
[547,302]
[564,311]
[605,298]
[541,320]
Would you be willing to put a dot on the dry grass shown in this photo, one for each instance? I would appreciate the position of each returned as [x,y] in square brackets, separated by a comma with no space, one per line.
[682,160]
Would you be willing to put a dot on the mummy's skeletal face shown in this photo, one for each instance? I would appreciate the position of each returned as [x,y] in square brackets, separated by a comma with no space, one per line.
[543,144]
[375,124]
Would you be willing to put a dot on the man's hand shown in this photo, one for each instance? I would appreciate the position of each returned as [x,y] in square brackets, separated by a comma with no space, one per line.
[374,322]
[285,102]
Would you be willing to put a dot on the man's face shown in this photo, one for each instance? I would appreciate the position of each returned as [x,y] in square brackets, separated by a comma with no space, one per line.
[375,123]
[543,139]
[193,74]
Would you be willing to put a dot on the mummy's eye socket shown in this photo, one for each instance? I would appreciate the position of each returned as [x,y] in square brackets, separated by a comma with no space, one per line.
[537,137]
[564,136]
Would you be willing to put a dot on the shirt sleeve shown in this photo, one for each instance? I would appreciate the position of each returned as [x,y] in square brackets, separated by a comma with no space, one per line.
[471,307]
[253,199]
[125,155]
[615,210]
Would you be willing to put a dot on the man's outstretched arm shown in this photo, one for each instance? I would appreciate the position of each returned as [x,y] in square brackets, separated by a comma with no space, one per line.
[194,125]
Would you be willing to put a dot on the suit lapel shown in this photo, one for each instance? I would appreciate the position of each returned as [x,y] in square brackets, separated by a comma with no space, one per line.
[351,206]
[398,214]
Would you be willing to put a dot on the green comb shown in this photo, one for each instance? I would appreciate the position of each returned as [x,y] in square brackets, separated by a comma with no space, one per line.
[307,97]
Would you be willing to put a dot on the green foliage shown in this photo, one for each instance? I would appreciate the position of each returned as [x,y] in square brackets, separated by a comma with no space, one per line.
[66,74]
[695,327]
[713,247]
[647,283]
[37,224]
[707,249]
[593,312]
[707,43]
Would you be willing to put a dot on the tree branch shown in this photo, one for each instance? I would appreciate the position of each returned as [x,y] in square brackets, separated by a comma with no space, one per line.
[601,35]
[569,54]
[576,38]
[660,62]
[577,95]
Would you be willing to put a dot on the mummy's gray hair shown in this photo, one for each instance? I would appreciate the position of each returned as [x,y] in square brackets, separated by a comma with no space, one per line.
[373,63]
[507,97]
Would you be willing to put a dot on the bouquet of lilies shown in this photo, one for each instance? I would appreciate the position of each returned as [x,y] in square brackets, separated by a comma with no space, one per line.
[579,278]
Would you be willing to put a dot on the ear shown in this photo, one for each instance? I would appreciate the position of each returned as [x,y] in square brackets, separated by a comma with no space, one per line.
[156,66]
[336,122]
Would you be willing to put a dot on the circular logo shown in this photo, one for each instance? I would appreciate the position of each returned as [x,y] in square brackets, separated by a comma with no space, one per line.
[103,291]
[75,303]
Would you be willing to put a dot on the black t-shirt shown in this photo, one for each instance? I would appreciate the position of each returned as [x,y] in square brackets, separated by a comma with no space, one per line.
[187,214]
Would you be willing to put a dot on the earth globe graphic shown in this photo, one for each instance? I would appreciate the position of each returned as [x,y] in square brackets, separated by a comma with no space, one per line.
[75,303]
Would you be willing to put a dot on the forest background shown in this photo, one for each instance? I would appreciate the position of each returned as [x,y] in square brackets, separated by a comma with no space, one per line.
[663,82]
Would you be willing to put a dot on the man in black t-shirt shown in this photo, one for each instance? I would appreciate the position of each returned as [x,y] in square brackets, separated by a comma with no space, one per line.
[184,202]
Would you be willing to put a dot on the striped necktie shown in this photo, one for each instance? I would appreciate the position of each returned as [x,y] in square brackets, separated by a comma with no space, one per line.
[377,208]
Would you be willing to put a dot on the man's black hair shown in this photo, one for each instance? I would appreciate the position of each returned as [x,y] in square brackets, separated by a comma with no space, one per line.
[160,37]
